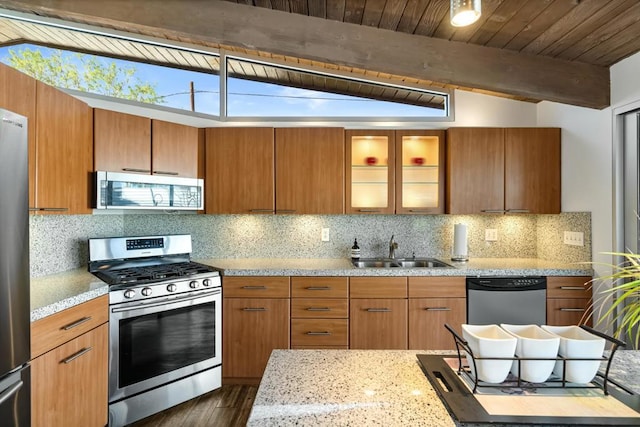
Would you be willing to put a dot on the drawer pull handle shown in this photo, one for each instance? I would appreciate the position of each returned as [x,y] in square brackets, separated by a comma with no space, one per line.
[581,310]
[165,173]
[255,288]
[437,309]
[285,211]
[76,323]
[369,210]
[76,355]
[318,309]
[319,333]
[419,210]
[136,170]
[493,211]
[518,211]
[48,209]
[261,210]
[379,310]
[318,288]
[572,288]
[254,309]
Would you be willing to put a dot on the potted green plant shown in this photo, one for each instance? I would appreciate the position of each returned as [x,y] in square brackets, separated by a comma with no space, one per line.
[623,313]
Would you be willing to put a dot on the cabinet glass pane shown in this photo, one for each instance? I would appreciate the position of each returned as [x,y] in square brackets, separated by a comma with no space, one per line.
[369,171]
[420,171]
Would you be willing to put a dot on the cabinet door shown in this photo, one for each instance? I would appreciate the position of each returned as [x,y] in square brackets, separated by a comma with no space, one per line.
[532,170]
[420,172]
[370,172]
[174,149]
[122,142]
[310,170]
[427,317]
[240,175]
[252,328]
[475,170]
[378,324]
[18,94]
[64,152]
[69,383]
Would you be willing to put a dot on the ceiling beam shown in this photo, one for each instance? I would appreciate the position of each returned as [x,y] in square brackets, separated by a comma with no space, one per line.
[447,62]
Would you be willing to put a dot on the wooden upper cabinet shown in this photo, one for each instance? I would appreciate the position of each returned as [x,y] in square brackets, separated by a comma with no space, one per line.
[370,171]
[64,152]
[122,142]
[240,175]
[18,94]
[310,170]
[175,149]
[475,170]
[420,171]
[532,170]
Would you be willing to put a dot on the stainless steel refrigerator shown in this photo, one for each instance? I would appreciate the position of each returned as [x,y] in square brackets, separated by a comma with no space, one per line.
[15,380]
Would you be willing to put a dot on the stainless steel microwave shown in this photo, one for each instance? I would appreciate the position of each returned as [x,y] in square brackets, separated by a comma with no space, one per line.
[117,190]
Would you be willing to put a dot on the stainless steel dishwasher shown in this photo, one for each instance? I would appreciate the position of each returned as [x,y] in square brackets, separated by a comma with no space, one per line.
[514,300]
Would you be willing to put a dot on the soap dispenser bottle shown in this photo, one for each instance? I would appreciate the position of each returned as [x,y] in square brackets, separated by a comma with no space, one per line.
[355,250]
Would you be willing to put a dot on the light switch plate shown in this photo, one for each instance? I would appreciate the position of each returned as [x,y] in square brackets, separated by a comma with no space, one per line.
[325,234]
[574,238]
[491,235]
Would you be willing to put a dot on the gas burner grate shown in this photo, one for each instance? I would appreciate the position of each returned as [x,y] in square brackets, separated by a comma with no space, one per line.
[153,273]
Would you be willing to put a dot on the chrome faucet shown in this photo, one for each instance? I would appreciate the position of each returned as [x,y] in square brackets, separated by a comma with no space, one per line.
[392,248]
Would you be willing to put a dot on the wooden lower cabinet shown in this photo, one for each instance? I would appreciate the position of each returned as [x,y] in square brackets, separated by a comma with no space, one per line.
[69,383]
[252,328]
[319,333]
[427,317]
[378,323]
[434,301]
[568,300]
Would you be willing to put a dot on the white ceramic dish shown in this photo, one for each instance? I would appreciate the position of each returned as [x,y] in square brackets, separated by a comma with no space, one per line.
[489,341]
[533,342]
[575,342]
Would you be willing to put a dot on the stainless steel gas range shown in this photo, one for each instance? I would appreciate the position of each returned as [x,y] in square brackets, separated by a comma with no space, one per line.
[165,323]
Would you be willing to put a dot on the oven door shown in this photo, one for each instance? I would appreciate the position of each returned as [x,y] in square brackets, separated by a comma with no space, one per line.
[160,340]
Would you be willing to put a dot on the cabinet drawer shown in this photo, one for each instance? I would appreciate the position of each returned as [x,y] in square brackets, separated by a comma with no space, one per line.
[568,311]
[378,287]
[255,287]
[437,287]
[568,287]
[319,287]
[57,329]
[319,332]
[320,308]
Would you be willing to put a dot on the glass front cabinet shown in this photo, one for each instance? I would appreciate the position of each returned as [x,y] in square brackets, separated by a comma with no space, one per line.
[395,171]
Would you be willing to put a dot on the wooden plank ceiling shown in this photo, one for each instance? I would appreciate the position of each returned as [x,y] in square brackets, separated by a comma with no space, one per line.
[558,50]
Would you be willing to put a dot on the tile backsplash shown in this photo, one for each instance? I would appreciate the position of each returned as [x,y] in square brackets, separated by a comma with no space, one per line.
[59,242]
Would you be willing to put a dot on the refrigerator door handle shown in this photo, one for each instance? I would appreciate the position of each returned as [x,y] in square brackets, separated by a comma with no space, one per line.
[10,391]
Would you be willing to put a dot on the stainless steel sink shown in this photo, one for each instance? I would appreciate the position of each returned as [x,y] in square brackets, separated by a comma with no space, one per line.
[400,263]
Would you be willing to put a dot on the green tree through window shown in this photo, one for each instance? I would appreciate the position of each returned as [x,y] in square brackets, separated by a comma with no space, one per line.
[85,73]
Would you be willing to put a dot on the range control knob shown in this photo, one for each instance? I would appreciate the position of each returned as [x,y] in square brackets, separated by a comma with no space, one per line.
[172,287]
[193,284]
[129,293]
[206,282]
[146,292]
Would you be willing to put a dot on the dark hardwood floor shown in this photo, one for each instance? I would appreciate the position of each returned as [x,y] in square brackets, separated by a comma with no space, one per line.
[227,406]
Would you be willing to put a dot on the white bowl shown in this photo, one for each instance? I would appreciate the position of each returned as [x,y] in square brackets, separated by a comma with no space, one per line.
[575,342]
[533,342]
[489,341]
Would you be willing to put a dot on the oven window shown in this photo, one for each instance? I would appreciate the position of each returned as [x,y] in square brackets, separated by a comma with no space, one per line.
[153,344]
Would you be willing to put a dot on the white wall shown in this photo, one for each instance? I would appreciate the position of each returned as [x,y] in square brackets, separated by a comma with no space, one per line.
[625,81]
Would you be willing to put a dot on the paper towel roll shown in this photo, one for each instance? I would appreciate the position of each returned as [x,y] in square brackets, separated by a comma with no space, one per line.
[459,242]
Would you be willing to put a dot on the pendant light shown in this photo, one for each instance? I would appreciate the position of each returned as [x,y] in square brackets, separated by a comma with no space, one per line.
[464,12]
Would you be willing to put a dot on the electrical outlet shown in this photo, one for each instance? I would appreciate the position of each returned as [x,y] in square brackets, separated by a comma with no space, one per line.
[325,234]
[491,235]
[574,238]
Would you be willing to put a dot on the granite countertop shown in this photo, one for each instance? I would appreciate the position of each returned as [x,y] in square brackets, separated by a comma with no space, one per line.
[343,267]
[365,387]
[57,292]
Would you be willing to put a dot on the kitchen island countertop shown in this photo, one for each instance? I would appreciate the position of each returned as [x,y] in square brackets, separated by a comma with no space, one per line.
[365,387]
[343,267]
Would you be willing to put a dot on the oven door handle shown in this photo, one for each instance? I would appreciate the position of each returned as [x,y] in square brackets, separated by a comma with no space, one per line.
[167,301]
